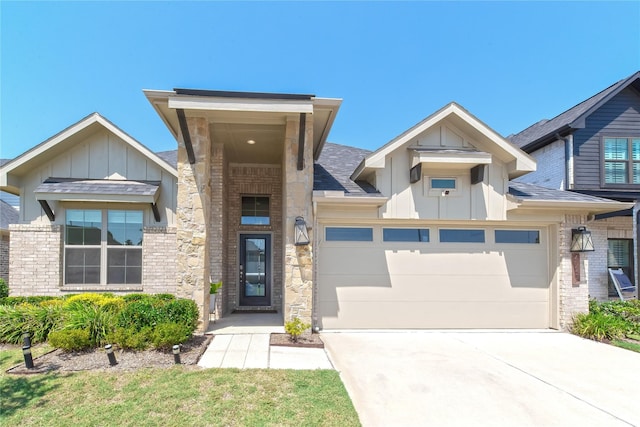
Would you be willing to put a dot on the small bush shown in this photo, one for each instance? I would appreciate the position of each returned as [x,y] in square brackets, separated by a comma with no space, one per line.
[37,320]
[165,335]
[599,326]
[99,300]
[4,289]
[100,323]
[26,300]
[71,339]
[295,328]
[183,311]
[136,297]
[131,338]
[138,314]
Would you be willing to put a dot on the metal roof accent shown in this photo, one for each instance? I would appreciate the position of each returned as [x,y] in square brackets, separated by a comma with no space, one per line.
[98,189]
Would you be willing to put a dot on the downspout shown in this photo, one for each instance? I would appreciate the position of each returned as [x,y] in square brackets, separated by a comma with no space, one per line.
[568,158]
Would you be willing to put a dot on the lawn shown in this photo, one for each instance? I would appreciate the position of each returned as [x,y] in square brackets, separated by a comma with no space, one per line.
[179,395]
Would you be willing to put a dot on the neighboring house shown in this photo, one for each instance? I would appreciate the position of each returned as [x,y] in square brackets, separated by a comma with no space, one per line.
[426,232]
[594,148]
[8,215]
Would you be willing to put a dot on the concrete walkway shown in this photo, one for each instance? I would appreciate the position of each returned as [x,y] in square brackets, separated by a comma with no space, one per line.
[242,341]
[490,378]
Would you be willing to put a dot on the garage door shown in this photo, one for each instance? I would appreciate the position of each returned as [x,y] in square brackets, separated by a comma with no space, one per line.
[433,277]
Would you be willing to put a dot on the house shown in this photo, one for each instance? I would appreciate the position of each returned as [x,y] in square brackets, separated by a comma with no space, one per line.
[593,148]
[428,231]
[8,215]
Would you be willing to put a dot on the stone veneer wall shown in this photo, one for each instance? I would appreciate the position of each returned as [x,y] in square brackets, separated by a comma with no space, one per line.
[601,231]
[254,180]
[158,260]
[4,256]
[572,299]
[298,189]
[192,219]
[218,227]
[35,259]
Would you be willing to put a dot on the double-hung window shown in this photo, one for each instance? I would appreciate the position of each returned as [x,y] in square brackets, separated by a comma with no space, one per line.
[621,160]
[103,247]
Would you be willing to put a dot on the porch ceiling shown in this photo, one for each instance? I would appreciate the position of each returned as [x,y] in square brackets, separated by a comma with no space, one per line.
[268,138]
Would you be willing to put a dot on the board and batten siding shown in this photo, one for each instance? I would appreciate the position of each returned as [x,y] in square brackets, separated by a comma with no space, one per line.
[102,155]
[618,117]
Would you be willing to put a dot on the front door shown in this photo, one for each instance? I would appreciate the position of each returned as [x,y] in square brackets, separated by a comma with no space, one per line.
[255,269]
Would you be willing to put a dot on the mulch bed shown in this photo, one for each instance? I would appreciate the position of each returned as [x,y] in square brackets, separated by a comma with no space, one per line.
[97,360]
[308,340]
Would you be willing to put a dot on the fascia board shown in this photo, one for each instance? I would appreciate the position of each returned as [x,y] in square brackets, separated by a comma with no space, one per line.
[347,200]
[240,104]
[592,207]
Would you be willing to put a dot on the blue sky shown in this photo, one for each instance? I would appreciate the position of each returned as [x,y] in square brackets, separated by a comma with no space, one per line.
[509,63]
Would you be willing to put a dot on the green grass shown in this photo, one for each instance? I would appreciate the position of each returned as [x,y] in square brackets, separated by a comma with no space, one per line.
[633,346]
[176,396]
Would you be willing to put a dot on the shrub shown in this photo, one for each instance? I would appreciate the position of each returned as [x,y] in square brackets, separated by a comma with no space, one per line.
[4,289]
[138,314]
[37,320]
[26,300]
[165,335]
[599,326]
[71,339]
[295,328]
[183,311]
[135,297]
[131,338]
[100,323]
[99,300]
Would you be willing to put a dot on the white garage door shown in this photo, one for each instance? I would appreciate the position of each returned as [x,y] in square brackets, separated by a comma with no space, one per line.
[433,277]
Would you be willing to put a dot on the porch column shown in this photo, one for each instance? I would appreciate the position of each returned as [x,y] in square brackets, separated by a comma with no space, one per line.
[193,212]
[297,188]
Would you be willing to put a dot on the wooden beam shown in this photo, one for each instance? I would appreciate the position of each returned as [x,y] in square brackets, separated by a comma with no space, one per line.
[156,212]
[47,209]
[301,135]
[184,129]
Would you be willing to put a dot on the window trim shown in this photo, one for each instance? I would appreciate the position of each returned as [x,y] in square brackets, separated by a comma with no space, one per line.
[104,248]
[629,162]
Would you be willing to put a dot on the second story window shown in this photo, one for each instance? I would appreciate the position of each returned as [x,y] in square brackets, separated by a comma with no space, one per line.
[621,160]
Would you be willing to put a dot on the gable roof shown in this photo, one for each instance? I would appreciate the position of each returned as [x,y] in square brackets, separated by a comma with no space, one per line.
[519,162]
[545,131]
[8,215]
[61,141]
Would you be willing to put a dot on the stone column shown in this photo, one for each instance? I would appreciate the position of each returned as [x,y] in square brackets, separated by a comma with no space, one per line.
[193,212]
[298,189]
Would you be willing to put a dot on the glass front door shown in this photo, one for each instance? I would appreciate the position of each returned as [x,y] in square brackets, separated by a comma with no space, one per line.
[255,269]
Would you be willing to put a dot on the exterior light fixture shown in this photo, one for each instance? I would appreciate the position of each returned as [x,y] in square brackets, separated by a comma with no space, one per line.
[300,232]
[581,240]
[28,359]
[26,339]
[176,354]
[110,355]
[251,141]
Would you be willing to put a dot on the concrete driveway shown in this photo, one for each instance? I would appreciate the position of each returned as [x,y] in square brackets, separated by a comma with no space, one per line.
[495,378]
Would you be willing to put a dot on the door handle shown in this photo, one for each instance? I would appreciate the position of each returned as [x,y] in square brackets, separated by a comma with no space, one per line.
[241,274]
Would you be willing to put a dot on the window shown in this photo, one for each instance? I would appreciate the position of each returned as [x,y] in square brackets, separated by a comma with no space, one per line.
[405,234]
[620,255]
[103,247]
[346,234]
[255,210]
[443,183]
[461,236]
[622,160]
[517,236]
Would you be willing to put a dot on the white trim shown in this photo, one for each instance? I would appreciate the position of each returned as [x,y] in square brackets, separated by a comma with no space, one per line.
[240,104]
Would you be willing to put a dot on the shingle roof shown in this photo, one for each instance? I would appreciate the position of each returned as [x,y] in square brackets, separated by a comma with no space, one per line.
[525,191]
[8,215]
[334,167]
[98,187]
[544,129]
[171,157]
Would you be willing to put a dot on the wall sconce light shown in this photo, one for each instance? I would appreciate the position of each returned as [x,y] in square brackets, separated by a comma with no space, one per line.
[581,240]
[301,236]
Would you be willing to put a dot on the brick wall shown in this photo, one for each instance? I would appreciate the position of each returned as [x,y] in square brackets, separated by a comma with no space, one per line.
[550,169]
[218,253]
[601,231]
[254,180]
[4,256]
[159,266]
[573,299]
[35,259]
